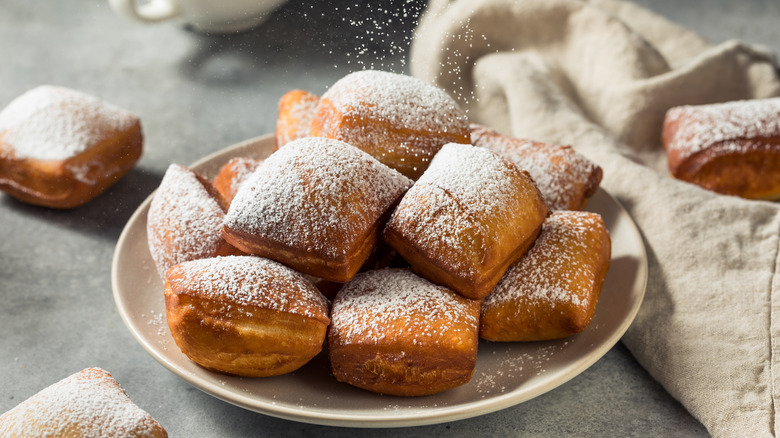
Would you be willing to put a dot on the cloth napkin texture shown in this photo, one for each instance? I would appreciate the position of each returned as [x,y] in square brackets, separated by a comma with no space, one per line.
[599,75]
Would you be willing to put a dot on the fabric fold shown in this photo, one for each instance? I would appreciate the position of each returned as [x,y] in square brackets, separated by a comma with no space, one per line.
[599,75]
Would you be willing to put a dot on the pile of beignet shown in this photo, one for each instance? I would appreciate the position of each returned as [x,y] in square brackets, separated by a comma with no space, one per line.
[387,226]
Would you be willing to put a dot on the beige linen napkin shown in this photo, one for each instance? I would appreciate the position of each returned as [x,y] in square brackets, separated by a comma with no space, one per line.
[600,75]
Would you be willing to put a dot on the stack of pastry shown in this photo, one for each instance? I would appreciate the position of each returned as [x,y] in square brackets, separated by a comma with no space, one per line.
[376,193]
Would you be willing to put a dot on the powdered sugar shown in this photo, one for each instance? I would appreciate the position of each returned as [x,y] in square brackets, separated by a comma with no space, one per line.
[464,189]
[296,109]
[250,281]
[400,120]
[476,177]
[553,267]
[56,123]
[416,309]
[88,404]
[397,99]
[563,176]
[184,220]
[233,174]
[317,192]
[702,126]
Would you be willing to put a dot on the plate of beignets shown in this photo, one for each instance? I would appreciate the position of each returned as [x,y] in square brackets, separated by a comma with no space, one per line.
[505,374]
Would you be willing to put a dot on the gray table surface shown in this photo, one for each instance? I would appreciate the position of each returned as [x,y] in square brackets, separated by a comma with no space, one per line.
[196,94]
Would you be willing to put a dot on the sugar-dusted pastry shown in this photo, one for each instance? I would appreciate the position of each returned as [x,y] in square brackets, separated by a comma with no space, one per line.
[400,120]
[317,205]
[565,178]
[296,108]
[731,148]
[185,220]
[469,216]
[88,404]
[245,315]
[232,175]
[61,148]
[393,332]
[552,291]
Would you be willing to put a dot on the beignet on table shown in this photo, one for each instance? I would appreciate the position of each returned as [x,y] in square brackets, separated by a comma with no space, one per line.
[90,403]
[731,148]
[61,148]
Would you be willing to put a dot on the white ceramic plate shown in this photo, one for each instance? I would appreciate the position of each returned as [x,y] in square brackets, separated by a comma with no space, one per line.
[506,373]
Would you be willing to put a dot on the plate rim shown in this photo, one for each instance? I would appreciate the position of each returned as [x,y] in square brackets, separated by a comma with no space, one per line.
[437,416]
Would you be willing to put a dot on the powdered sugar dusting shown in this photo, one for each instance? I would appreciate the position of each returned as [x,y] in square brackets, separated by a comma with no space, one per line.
[702,126]
[296,109]
[233,174]
[250,281]
[242,168]
[514,367]
[463,188]
[400,120]
[56,123]
[551,268]
[419,310]
[398,99]
[442,229]
[89,403]
[563,176]
[306,191]
[184,220]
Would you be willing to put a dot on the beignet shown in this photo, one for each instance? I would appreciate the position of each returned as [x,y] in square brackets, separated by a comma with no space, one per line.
[399,120]
[565,178]
[61,148]
[731,148]
[552,291]
[245,315]
[393,332]
[89,403]
[232,175]
[184,220]
[296,109]
[469,216]
[317,205]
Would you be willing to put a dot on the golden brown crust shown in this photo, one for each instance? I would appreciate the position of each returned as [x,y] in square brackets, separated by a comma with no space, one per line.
[88,403]
[245,315]
[395,333]
[399,120]
[35,168]
[552,291]
[317,205]
[565,178]
[185,219]
[296,109]
[232,175]
[731,148]
[468,217]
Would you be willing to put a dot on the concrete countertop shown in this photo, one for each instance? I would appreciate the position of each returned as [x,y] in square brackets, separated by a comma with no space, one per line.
[196,94]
